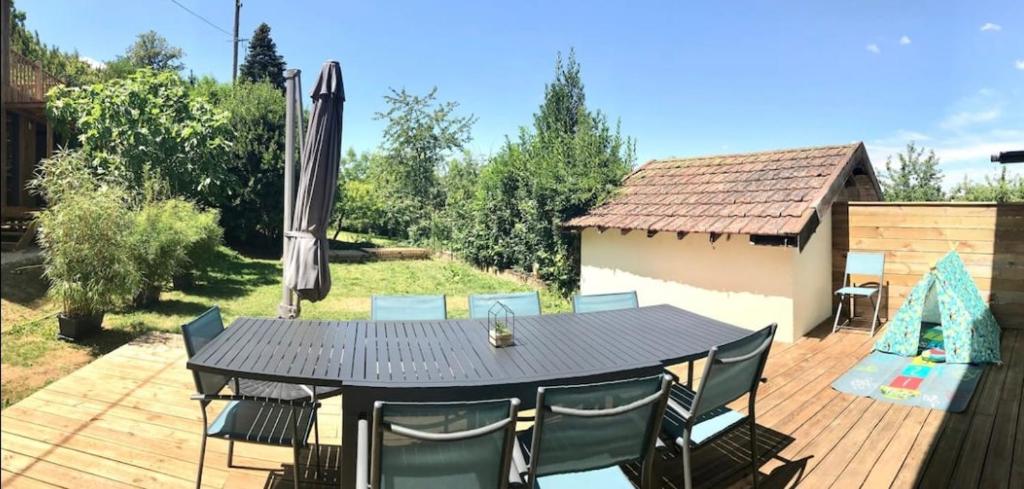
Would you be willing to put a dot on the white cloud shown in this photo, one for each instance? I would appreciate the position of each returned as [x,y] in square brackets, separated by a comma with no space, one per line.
[1019,64]
[990,27]
[873,48]
[95,63]
[960,120]
[904,40]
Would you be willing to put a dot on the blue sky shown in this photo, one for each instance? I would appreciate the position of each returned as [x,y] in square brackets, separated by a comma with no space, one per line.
[684,78]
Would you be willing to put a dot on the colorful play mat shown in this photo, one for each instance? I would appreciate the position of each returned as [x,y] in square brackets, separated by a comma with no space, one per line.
[923,381]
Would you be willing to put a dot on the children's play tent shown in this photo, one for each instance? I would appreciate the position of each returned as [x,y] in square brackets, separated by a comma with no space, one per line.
[946,296]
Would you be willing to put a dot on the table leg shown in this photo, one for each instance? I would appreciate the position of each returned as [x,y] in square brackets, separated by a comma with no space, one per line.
[689,374]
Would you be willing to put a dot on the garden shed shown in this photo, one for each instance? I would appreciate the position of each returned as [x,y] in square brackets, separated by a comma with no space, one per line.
[744,238]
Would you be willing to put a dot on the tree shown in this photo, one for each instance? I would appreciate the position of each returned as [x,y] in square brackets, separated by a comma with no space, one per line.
[916,178]
[151,50]
[569,161]
[1003,188]
[68,67]
[146,126]
[421,134]
[252,208]
[262,63]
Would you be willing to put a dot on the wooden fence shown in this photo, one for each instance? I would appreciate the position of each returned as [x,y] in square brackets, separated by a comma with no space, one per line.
[989,238]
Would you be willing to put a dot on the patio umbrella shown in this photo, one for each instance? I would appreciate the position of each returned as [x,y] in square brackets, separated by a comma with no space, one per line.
[306,271]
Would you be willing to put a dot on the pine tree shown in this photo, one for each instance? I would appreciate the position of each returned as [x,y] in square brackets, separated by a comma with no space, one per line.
[262,63]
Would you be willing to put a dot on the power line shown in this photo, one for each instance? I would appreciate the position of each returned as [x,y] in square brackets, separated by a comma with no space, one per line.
[200,17]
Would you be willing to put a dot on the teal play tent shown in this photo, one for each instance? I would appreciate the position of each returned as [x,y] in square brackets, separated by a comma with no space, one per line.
[946,296]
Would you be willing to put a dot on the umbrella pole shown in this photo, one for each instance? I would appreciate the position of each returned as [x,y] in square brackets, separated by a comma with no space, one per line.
[288,307]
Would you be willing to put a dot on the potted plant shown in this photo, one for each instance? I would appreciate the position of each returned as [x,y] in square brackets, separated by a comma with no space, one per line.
[84,237]
[162,231]
[500,335]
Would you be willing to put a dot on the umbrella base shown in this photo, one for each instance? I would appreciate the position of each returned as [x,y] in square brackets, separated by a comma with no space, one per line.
[285,311]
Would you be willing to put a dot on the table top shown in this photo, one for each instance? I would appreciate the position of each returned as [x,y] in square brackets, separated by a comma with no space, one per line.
[456,352]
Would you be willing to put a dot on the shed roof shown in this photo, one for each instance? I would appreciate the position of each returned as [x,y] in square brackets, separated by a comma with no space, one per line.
[772,193]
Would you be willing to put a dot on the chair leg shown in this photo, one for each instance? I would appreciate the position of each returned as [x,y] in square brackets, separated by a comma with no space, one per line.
[687,474]
[753,449]
[877,304]
[316,442]
[231,453]
[295,445]
[202,458]
[839,310]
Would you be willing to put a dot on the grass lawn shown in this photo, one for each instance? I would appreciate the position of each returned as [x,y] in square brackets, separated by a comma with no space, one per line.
[32,356]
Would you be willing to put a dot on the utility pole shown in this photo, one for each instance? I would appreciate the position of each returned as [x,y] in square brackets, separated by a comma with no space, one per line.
[234,44]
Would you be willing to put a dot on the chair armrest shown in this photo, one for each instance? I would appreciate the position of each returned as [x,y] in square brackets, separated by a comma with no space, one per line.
[363,455]
[233,397]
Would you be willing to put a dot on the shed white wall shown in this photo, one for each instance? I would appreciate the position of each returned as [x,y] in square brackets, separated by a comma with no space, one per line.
[730,280]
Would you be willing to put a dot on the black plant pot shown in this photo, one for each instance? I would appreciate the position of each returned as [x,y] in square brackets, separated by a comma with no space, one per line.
[147,297]
[78,327]
[184,281]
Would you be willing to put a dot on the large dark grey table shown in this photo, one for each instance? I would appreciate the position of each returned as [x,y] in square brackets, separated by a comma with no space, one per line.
[453,360]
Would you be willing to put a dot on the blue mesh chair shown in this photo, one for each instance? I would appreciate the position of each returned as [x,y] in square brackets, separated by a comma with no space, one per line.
[521,303]
[269,413]
[408,307]
[733,370]
[604,302]
[582,433]
[870,265]
[450,445]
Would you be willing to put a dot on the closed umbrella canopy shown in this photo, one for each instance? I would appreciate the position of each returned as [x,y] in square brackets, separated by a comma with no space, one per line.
[306,269]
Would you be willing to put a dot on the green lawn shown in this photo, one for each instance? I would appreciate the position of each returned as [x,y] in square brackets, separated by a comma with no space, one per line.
[32,356]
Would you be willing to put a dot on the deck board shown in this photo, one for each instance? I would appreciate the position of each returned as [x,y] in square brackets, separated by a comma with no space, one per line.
[126,420]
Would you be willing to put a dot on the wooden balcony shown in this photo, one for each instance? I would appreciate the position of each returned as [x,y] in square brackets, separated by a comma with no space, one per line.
[28,83]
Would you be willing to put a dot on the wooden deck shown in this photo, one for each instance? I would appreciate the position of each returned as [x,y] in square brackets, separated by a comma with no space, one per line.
[125,420]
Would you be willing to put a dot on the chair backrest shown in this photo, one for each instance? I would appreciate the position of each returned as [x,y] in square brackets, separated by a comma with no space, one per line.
[521,303]
[732,371]
[408,307]
[604,302]
[864,263]
[445,445]
[197,333]
[588,427]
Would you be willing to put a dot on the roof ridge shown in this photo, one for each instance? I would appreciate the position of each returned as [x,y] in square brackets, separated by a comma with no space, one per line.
[751,153]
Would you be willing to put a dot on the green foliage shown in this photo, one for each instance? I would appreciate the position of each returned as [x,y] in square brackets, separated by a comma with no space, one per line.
[570,161]
[358,205]
[916,178]
[252,207]
[85,237]
[152,51]
[66,66]
[263,63]
[160,240]
[148,125]
[420,136]
[1003,188]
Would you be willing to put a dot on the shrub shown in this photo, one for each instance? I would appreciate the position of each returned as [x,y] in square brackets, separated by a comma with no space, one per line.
[252,207]
[85,237]
[147,125]
[205,237]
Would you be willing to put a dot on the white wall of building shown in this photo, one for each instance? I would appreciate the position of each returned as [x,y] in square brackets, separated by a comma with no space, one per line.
[730,280]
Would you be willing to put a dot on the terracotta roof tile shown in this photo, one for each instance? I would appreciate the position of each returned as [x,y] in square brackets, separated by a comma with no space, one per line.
[771,193]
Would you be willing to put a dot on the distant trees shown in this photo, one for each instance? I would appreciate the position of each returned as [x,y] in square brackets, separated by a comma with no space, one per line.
[263,63]
[569,161]
[1002,188]
[67,66]
[420,136]
[915,177]
[153,51]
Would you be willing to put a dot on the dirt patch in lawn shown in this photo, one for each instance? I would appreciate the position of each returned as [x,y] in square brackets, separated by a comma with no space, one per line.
[19,381]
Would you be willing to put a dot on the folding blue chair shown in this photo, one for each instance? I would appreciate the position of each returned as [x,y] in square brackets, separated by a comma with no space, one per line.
[866,265]
[604,302]
[408,307]
[521,303]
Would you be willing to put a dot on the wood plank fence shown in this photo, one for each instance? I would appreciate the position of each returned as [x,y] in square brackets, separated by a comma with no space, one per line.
[989,238]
